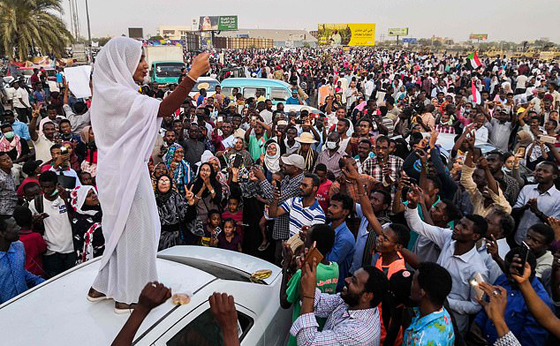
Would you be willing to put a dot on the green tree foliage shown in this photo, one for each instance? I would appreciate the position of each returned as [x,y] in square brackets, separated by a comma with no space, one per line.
[28,26]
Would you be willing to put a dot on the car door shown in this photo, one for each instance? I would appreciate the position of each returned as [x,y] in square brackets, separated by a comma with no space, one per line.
[199,328]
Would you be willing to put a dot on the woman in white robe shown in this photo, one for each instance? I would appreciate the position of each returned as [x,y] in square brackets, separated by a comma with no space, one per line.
[126,124]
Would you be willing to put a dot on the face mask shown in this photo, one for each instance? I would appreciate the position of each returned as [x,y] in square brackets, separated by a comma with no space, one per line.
[9,135]
[331,145]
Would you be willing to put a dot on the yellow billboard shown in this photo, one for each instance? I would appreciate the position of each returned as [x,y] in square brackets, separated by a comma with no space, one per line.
[346,34]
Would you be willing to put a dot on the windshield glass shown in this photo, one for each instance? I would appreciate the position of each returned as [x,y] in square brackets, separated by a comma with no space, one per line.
[169,70]
[211,85]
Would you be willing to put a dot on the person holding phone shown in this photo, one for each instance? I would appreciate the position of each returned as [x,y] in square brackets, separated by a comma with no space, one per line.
[517,316]
[60,164]
[51,211]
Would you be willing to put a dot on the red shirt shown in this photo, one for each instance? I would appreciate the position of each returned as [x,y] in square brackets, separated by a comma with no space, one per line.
[35,247]
[237,217]
[323,195]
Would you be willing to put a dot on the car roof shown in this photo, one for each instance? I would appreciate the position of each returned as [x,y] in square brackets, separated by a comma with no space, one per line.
[206,79]
[57,312]
[246,82]
[297,108]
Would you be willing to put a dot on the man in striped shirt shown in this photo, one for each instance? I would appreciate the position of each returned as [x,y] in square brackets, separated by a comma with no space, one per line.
[303,210]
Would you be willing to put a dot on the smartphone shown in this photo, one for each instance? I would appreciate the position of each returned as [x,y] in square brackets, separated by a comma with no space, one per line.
[314,253]
[237,161]
[64,150]
[520,152]
[475,283]
[298,121]
[524,256]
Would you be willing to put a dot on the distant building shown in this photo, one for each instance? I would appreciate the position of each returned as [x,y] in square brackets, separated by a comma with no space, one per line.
[170,32]
[281,38]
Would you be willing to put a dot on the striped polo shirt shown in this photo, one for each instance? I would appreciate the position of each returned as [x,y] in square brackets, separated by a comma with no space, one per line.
[302,216]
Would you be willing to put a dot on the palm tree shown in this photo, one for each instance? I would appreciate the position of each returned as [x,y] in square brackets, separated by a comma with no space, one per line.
[26,25]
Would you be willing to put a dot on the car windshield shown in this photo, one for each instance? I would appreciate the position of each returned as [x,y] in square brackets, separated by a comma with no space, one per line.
[211,85]
[169,70]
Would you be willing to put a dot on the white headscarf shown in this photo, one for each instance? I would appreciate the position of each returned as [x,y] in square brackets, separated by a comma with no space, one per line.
[272,163]
[125,123]
[78,198]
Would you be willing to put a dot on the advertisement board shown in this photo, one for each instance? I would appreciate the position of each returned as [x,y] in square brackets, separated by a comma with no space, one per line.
[217,23]
[480,37]
[410,40]
[398,31]
[136,33]
[346,34]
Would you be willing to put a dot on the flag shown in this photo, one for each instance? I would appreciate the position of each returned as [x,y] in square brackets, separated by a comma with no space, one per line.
[475,93]
[473,59]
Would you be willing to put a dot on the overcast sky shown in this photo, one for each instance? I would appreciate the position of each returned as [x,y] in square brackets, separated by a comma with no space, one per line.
[511,20]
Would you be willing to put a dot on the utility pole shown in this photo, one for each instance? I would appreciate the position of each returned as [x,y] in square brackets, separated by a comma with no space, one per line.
[89,33]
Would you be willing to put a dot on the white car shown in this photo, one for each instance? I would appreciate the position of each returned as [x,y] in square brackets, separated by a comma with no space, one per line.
[210,88]
[298,108]
[56,312]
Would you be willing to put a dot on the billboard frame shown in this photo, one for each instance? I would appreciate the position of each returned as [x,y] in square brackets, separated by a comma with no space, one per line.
[346,34]
[218,23]
[397,32]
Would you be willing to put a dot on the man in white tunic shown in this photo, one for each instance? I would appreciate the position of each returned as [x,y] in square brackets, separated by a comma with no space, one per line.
[126,123]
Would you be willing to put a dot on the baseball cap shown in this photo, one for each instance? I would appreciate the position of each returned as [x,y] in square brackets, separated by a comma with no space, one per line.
[294,160]
[30,166]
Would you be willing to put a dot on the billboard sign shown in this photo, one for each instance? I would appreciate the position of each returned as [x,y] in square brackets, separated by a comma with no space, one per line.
[398,31]
[217,23]
[410,40]
[346,34]
[137,33]
[479,37]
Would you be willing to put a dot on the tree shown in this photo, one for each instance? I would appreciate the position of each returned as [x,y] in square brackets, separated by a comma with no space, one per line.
[27,25]
[156,38]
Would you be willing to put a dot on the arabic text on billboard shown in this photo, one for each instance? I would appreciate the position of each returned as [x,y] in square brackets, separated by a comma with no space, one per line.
[217,23]
[398,31]
[481,37]
[346,34]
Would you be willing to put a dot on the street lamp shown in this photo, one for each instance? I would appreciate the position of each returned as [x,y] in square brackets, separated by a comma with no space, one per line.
[89,32]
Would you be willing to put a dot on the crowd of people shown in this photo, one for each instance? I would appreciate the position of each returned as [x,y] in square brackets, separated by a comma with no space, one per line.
[421,244]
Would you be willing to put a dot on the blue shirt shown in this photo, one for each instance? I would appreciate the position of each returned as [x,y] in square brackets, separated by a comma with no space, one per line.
[433,329]
[21,130]
[519,319]
[303,216]
[342,252]
[292,101]
[14,279]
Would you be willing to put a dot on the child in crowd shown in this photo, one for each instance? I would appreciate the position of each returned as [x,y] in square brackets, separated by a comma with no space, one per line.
[212,227]
[228,239]
[235,213]
[33,243]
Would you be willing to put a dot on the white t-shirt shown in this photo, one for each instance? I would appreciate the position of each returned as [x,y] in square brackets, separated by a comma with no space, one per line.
[43,148]
[521,81]
[58,230]
[22,94]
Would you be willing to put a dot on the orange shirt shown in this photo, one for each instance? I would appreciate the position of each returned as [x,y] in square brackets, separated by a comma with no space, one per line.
[389,270]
